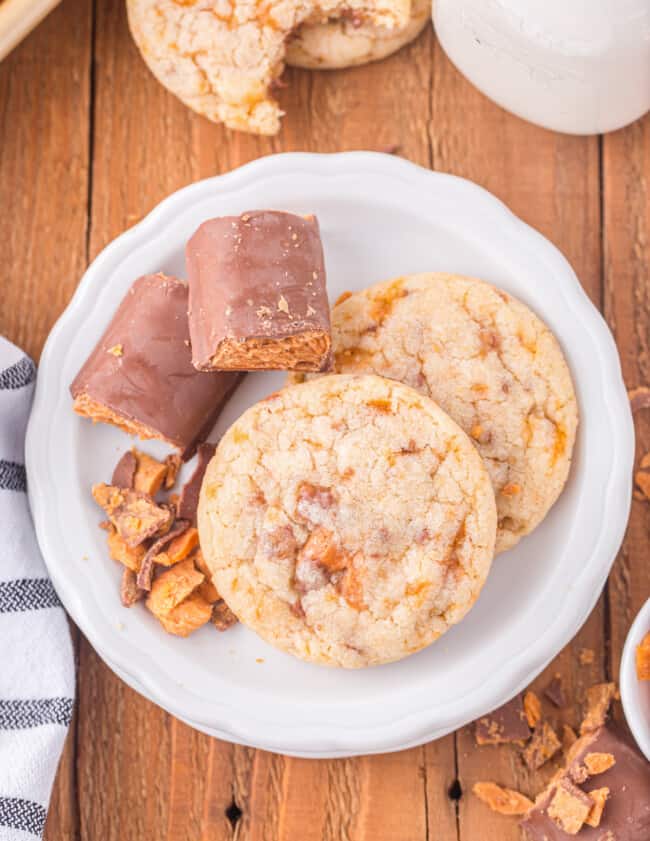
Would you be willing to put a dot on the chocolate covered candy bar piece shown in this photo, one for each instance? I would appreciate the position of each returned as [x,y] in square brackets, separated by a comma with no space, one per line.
[626,812]
[257,294]
[140,376]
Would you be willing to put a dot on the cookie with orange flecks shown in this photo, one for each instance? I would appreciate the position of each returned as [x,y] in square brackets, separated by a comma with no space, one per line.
[222,57]
[489,362]
[348,521]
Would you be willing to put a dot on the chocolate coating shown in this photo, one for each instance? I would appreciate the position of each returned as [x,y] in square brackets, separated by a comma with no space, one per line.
[189,498]
[257,277]
[627,812]
[141,370]
[505,724]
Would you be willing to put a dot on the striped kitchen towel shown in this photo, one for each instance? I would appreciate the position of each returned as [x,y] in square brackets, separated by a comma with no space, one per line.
[36,658]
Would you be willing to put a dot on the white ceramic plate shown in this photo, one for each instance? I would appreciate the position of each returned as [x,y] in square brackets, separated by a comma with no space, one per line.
[380,216]
[635,694]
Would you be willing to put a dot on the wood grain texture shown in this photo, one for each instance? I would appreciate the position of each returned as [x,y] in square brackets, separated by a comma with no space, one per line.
[626,238]
[130,771]
[44,119]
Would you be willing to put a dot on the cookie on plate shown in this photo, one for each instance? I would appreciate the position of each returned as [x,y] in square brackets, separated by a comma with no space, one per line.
[348,520]
[489,362]
[349,42]
[222,57]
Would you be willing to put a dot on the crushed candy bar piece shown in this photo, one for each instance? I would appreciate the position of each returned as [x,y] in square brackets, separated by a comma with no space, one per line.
[505,801]
[313,502]
[642,481]
[639,398]
[200,564]
[626,816]
[319,560]
[555,692]
[119,550]
[209,592]
[124,472]
[189,499]
[170,505]
[179,546]
[542,747]
[135,515]
[586,656]
[599,797]
[222,616]
[145,573]
[130,593]
[598,701]
[191,614]
[642,658]
[173,464]
[505,724]
[569,807]
[154,551]
[172,586]
[533,709]
[598,763]
[568,738]
[150,474]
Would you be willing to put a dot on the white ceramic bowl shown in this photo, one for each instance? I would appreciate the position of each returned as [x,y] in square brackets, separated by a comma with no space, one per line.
[635,694]
[380,216]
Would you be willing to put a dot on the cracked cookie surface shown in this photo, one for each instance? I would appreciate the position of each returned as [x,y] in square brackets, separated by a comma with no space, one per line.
[349,41]
[489,362]
[348,520]
[221,57]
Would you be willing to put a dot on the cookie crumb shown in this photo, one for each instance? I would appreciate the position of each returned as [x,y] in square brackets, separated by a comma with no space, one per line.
[586,656]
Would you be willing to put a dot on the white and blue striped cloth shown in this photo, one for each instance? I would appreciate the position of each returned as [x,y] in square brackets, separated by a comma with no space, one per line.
[36,657]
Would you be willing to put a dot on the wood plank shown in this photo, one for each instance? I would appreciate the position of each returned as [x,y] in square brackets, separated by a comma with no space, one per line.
[44,107]
[556,190]
[626,194]
[44,155]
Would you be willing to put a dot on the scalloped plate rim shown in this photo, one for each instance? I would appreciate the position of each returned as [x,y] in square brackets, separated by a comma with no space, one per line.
[414,727]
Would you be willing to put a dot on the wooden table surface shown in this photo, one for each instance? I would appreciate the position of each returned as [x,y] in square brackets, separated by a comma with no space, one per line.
[89,143]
